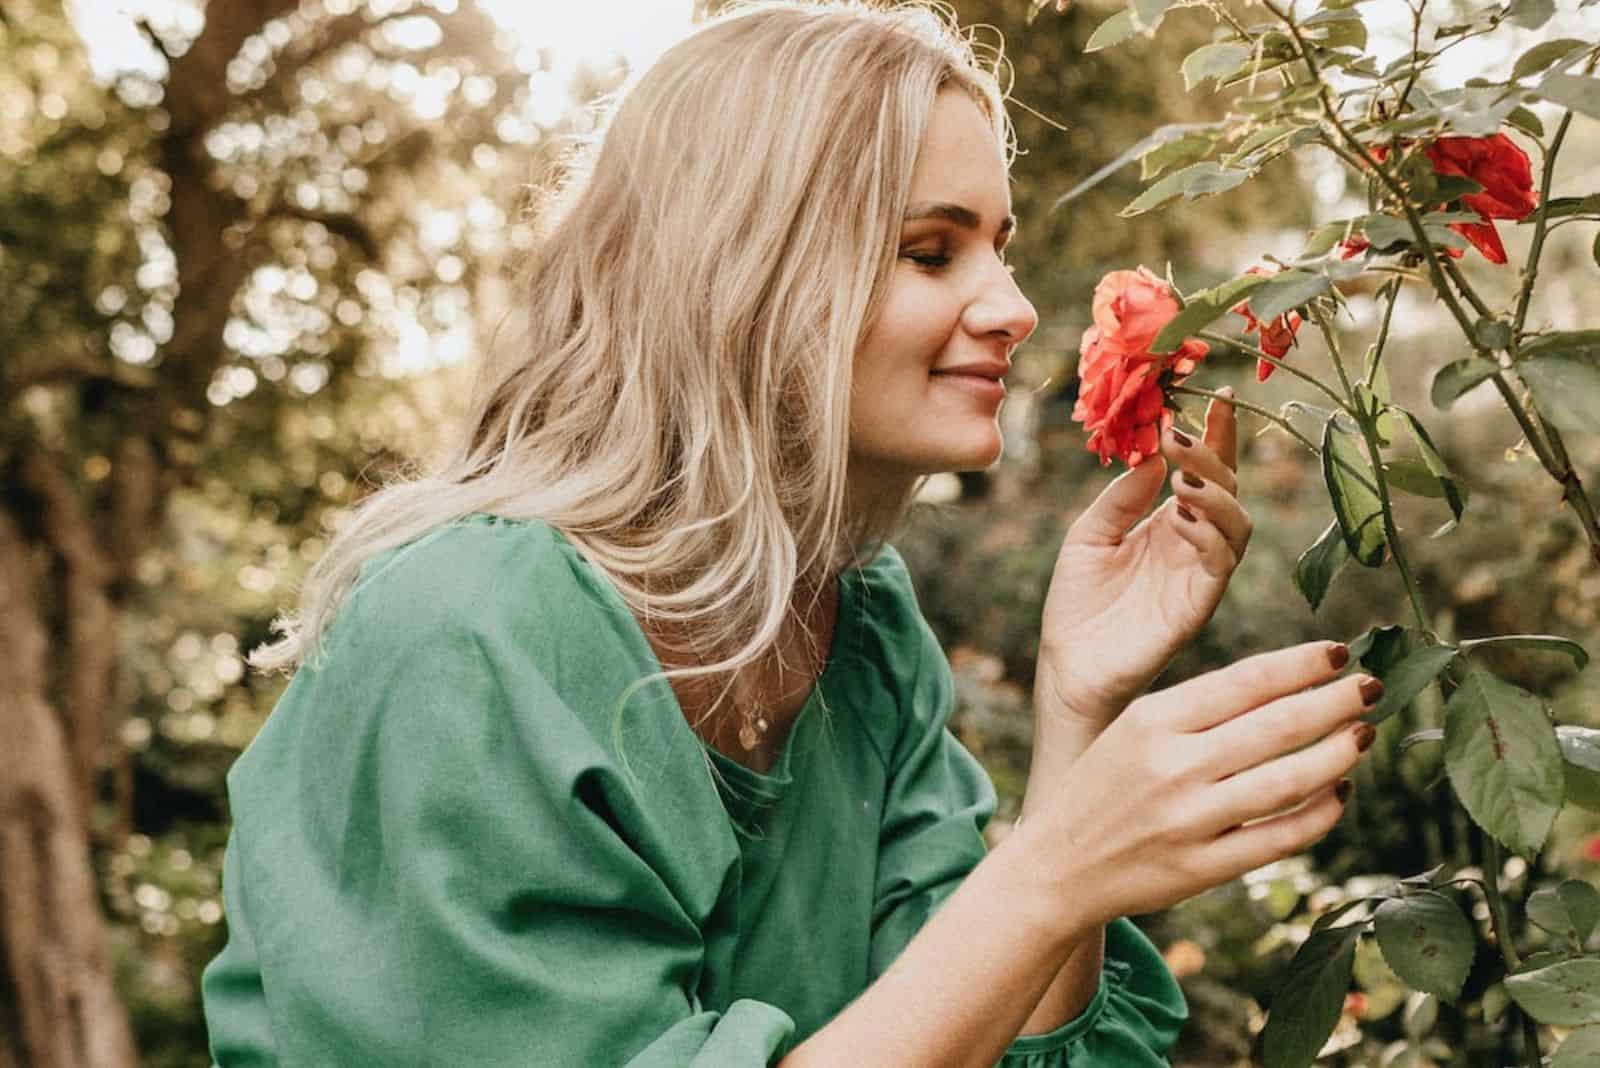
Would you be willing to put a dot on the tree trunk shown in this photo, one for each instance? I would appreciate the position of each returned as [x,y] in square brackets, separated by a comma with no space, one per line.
[58,1004]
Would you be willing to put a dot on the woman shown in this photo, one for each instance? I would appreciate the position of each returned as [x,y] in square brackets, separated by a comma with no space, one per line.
[627,743]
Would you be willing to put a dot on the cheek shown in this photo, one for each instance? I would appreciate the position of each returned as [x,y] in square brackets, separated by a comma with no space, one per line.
[912,331]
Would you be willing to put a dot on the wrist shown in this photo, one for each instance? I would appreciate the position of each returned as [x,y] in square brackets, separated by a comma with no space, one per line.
[1047,890]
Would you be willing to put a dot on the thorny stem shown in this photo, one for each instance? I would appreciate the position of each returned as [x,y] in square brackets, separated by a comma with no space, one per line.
[1466,290]
[1370,372]
[1245,346]
[1501,924]
[1270,416]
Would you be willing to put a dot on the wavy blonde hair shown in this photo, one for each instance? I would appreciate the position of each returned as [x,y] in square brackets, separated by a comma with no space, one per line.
[678,403]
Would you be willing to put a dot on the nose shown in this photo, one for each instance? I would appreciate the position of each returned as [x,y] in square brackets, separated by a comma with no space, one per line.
[1000,309]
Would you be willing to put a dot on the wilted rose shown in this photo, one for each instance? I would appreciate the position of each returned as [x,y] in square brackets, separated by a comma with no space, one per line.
[1121,399]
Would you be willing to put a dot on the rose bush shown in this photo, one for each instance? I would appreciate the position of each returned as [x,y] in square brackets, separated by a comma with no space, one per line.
[1440,169]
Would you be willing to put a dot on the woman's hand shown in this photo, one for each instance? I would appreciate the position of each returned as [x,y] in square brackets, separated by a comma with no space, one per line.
[1122,601]
[1192,785]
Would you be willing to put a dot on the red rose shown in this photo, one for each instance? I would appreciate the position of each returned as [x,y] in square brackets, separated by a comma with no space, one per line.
[1277,337]
[1120,398]
[1591,848]
[1506,174]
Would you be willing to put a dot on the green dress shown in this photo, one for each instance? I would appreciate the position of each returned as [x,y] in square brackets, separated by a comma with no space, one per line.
[454,845]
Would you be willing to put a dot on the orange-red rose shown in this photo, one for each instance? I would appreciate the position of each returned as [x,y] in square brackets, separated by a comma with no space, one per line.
[1121,400]
[1277,337]
[1506,174]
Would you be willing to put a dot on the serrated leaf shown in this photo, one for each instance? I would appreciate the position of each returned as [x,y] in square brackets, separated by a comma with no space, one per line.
[1581,1049]
[1503,760]
[1310,997]
[1213,61]
[1569,910]
[1285,291]
[1355,497]
[1455,379]
[1572,91]
[1314,571]
[1187,149]
[1553,643]
[1565,994]
[1427,942]
[1544,54]
[1526,121]
[1203,308]
[1566,387]
[1112,31]
[1403,682]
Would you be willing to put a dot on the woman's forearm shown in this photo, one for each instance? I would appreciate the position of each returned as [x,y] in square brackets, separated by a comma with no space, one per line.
[1054,753]
[964,986]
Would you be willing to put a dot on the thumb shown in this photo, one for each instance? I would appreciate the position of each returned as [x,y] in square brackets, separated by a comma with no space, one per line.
[1121,504]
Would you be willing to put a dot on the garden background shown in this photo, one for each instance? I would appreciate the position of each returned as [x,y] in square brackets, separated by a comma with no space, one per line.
[247,252]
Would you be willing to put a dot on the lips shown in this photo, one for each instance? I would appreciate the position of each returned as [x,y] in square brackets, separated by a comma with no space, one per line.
[994,371]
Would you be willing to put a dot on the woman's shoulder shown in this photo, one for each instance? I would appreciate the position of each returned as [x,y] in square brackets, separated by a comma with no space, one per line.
[480,573]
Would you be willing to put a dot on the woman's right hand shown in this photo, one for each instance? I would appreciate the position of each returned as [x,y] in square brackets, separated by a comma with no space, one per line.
[1189,787]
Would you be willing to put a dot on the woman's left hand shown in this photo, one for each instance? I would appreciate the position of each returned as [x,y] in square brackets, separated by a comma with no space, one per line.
[1122,601]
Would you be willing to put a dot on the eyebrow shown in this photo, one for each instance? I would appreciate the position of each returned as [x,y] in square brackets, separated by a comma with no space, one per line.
[963,217]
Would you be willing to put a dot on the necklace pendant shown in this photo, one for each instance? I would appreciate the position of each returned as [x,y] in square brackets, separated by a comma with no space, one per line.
[748,736]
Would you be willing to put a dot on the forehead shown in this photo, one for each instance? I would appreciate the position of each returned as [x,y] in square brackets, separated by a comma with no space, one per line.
[959,159]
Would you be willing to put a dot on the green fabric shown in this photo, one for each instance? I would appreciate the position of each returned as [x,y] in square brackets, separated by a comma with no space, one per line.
[453,845]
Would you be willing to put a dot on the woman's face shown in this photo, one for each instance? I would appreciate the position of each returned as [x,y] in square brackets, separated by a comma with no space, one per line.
[951,303]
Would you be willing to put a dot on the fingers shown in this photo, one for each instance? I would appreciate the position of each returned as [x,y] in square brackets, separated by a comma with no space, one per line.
[1222,430]
[1208,500]
[1217,557]
[1206,700]
[1249,847]
[1197,457]
[1283,783]
[1292,722]
[1120,505]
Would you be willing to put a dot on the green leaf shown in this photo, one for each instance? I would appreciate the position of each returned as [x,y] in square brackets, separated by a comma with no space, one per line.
[1381,648]
[1386,232]
[1568,911]
[1566,387]
[1457,378]
[1581,1049]
[1595,251]
[1310,998]
[1185,150]
[1112,31]
[1355,496]
[1565,994]
[1526,121]
[1580,749]
[1549,642]
[1503,760]
[1572,91]
[1566,342]
[1454,493]
[1492,333]
[1169,188]
[1314,571]
[1544,54]
[1213,61]
[1531,14]
[1203,308]
[1285,291]
[1147,13]
[1408,678]
[1427,942]
[1413,477]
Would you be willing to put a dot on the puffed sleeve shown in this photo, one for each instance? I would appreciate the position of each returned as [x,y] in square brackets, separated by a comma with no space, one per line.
[436,860]
[939,801]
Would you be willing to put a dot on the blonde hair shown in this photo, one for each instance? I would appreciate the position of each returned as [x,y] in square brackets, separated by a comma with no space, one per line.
[678,403]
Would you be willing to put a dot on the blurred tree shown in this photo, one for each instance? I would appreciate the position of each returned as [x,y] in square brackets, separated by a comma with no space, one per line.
[214,270]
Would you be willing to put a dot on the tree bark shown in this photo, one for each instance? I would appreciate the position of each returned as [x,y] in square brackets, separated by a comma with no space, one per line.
[59,996]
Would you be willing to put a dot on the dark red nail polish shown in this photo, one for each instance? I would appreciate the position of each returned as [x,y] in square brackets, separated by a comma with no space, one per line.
[1186,514]
[1365,733]
[1342,789]
[1181,438]
[1371,690]
[1338,655]
[1194,480]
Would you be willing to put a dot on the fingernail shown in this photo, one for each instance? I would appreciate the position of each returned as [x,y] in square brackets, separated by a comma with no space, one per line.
[1371,690]
[1186,513]
[1194,480]
[1342,788]
[1181,438]
[1338,655]
[1365,733]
